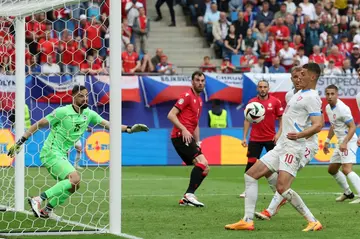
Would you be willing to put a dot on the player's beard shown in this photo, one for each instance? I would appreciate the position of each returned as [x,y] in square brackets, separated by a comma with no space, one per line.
[83,106]
[198,89]
[264,95]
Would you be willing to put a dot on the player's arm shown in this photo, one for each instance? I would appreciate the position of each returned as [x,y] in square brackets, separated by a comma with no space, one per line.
[351,131]
[32,130]
[172,116]
[246,131]
[316,126]
[278,133]
[126,128]
[328,139]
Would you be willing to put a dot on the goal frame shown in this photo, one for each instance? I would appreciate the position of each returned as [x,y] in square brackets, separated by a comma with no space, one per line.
[19,9]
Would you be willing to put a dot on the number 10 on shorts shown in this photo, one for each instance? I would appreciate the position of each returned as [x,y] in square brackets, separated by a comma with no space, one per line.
[289,158]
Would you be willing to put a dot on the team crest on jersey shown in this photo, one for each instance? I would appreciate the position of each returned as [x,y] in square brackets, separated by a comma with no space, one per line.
[85,117]
[300,98]
[334,116]
[181,101]
[270,105]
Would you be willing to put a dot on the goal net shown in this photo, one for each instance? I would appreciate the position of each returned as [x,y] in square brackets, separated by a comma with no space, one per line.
[62,43]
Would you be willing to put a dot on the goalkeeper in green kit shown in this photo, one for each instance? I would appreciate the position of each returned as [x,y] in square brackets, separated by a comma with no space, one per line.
[67,125]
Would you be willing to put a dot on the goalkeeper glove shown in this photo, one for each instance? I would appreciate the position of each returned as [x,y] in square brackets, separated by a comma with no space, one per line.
[137,128]
[16,148]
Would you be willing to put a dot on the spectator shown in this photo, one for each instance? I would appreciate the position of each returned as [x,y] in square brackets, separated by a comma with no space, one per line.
[235,5]
[261,34]
[223,5]
[209,19]
[355,57]
[67,50]
[232,44]
[336,56]
[301,57]
[132,11]
[6,66]
[280,31]
[290,6]
[90,67]
[276,67]
[341,6]
[50,68]
[308,9]
[345,47]
[250,16]
[331,69]
[299,17]
[269,50]
[35,30]
[207,66]
[317,56]
[356,39]
[354,5]
[141,29]
[312,35]
[49,28]
[247,60]
[217,116]
[249,42]
[319,12]
[203,8]
[282,12]
[126,32]
[130,60]
[328,45]
[93,40]
[287,55]
[290,24]
[260,66]
[265,15]
[157,58]
[335,34]
[146,65]
[241,26]
[170,4]
[352,33]
[60,16]
[346,69]
[297,42]
[226,66]
[344,25]
[165,67]
[79,31]
[197,10]
[219,30]
[47,46]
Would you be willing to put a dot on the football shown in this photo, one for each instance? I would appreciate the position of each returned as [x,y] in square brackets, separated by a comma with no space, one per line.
[254,112]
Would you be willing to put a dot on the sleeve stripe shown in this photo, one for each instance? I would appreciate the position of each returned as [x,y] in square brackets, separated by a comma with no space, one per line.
[315,114]
[177,107]
[348,121]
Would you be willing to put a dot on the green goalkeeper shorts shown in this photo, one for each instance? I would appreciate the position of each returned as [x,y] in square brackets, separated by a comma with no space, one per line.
[56,163]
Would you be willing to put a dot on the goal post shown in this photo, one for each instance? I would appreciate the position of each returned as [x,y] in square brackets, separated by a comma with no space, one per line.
[21,212]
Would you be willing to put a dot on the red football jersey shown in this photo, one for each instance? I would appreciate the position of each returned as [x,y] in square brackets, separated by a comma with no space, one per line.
[265,130]
[190,106]
[129,61]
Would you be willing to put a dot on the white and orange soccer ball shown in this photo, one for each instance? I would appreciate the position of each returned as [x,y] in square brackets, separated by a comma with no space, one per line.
[254,112]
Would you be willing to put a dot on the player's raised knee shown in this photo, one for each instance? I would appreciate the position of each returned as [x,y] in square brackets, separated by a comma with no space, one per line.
[75,179]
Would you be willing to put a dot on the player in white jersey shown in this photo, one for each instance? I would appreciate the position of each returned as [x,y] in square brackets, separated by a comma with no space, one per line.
[310,151]
[303,109]
[344,156]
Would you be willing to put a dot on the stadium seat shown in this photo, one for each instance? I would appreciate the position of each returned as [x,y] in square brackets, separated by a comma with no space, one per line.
[234,16]
[235,60]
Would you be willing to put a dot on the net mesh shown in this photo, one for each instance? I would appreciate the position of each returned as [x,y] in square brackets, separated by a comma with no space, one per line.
[62,49]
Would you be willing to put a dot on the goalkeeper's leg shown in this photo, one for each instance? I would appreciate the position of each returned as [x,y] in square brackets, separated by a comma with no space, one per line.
[69,182]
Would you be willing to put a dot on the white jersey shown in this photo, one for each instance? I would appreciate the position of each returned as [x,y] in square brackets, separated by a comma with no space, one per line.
[339,117]
[312,142]
[358,100]
[299,109]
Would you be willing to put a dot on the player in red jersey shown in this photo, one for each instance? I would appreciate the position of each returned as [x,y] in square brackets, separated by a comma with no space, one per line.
[263,134]
[185,136]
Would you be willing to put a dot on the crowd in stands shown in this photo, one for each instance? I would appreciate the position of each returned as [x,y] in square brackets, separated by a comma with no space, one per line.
[274,36]
[249,35]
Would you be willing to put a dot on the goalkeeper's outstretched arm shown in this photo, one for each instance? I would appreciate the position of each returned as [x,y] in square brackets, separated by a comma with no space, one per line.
[126,128]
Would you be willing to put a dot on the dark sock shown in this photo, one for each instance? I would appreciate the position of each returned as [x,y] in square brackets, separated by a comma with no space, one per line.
[196,177]
[248,166]
[43,196]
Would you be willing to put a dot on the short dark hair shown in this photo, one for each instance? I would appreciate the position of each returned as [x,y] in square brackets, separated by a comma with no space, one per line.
[332,87]
[295,69]
[197,73]
[301,48]
[77,88]
[263,80]
[314,68]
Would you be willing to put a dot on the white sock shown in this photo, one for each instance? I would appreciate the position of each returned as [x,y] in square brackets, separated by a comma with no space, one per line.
[251,192]
[355,180]
[272,181]
[341,180]
[275,203]
[296,201]
[77,158]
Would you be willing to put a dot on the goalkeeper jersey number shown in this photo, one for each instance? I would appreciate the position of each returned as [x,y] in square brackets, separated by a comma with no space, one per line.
[67,126]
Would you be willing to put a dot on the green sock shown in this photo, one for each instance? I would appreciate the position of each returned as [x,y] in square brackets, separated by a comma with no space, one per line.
[58,189]
[55,201]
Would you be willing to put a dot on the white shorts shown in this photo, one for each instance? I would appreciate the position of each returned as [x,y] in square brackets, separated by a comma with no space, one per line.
[345,157]
[78,144]
[284,158]
[310,153]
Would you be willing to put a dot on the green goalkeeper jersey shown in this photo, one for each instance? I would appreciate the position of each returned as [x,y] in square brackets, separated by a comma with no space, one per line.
[67,126]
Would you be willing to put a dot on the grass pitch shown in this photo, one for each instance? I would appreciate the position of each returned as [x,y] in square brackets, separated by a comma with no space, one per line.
[150,209]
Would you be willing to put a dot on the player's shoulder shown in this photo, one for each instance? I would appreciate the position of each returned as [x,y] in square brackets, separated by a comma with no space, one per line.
[255,99]
[64,109]
[274,99]
[342,106]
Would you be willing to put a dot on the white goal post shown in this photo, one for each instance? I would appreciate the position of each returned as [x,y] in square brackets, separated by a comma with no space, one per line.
[21,9]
